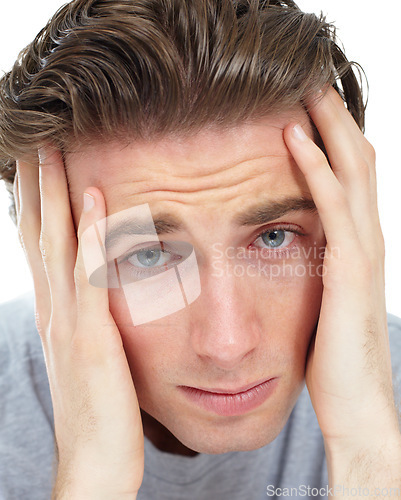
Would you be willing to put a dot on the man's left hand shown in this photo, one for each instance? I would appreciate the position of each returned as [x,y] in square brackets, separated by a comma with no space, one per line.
[348,371]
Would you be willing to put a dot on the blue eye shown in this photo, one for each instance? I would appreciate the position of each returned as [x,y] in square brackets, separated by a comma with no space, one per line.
[149,261]
[149,257]
[275,238]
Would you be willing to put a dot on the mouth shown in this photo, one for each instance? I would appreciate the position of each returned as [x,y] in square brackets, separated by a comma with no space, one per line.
[227,402]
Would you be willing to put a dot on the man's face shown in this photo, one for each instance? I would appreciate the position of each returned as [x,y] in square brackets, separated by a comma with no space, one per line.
[259,303]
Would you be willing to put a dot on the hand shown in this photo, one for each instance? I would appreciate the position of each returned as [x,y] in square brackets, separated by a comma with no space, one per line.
[98,427]
[348,371]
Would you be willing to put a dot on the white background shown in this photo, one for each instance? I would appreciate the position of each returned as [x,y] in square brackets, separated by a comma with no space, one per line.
[369,32]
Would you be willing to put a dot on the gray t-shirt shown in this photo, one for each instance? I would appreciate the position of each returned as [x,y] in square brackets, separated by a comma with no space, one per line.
[295,459]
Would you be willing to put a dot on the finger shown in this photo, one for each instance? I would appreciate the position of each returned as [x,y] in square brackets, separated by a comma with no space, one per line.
[354,208]
[352,158]
[328,194]
[351,155]
[58,241]
[29,224]
[92,301]
[345,144]
[329,104]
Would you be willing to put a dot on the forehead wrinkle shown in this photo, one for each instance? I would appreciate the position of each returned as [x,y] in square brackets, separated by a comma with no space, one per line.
[180,185]
[126,194]
[233,164]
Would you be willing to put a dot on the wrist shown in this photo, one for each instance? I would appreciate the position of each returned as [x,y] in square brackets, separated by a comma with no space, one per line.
[365,432]
[89,482]
[375,462]
[83,490]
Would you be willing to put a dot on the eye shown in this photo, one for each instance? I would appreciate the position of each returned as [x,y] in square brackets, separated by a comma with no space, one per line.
[275,238]
[149,258]
[148,261]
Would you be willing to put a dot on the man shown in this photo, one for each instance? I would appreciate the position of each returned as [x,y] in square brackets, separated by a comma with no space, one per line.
[198,210]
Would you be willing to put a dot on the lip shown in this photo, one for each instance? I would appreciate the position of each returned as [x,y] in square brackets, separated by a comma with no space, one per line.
[227,402]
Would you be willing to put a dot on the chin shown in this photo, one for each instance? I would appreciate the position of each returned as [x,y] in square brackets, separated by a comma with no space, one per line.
[242,433]
[248,443]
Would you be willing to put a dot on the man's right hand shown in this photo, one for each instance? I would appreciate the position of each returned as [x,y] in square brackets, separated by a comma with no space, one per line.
[98,427]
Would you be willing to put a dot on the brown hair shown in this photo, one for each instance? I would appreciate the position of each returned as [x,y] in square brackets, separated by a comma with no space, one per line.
[108,69]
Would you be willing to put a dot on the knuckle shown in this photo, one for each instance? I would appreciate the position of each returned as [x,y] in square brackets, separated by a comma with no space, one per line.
[362,169]
[79,346]
[369,151]
[22,227]
[21,237]
[38,323]
[28,229]
[319,159]
[45,246]
[85,309]
[80,275]
[83,301]
[317,162]
[77,276]
[40,327]
[57,329]
[337,198]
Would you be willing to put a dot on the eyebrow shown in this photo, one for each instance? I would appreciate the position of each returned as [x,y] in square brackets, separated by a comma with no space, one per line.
[270,211]
[166,223]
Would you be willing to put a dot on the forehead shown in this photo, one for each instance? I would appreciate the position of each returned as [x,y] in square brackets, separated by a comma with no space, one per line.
[199,153]
[214,165]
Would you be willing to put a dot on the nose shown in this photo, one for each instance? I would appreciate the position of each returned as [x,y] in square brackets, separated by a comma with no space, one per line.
[225,326]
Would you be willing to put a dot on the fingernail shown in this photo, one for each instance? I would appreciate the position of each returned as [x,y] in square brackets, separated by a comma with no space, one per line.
[298,133]
[89,202]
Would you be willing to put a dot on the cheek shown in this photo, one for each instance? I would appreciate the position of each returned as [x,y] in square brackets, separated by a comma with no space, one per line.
[289,303]
[293,283]
[148,346]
